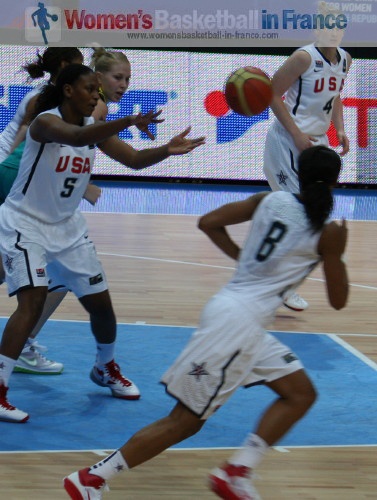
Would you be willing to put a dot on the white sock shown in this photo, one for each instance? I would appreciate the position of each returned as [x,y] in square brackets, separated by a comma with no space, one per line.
[105,353]
[252,452]
[6,368]
[109,466]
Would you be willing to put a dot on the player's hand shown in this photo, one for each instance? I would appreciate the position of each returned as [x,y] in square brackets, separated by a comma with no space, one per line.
[344,142]
[92,193]
[180,145]
[304,141]
[142,122]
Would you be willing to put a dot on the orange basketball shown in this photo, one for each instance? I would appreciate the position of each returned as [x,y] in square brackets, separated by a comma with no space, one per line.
[248,91]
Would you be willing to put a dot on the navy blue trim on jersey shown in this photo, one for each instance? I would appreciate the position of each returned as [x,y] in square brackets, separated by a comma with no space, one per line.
[58,288]
[294,110]
[37,158]
[292,157]
[338,56]
[222,381]
[24,251]
[253,384]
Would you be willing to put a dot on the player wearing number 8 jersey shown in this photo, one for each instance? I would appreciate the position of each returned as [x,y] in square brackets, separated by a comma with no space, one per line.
[289,235]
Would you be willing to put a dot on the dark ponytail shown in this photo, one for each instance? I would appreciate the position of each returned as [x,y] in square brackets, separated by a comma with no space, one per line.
[50,61]
[52,96]
[319,169]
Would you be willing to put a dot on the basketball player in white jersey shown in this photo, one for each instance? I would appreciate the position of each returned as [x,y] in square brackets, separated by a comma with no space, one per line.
[311,80]
[49,63]
[290,234]
[43,234]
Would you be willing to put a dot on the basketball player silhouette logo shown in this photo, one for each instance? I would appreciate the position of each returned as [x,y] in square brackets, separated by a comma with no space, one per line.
[40,17]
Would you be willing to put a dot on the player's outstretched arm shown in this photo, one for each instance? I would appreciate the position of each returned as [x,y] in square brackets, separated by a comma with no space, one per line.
[331,247]
[51,128]
[139,159]
[181,144]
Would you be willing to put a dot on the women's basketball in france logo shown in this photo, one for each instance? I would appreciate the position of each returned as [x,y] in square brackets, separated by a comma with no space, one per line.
[43,24]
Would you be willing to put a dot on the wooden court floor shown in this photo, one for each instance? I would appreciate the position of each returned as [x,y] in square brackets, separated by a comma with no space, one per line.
[161,270]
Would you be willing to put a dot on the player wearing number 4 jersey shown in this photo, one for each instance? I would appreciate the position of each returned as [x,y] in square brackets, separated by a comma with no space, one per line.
[289,235]
[311,101]
[311,80]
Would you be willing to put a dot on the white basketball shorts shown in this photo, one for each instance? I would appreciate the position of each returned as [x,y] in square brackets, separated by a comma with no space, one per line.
[280,161]
[34,253]
[230,349]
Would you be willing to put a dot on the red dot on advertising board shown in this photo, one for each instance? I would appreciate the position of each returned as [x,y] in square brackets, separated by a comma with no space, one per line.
[215,104]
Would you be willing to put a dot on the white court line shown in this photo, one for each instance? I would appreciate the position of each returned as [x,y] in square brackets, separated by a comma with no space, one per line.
[187,263]
[159,214]
[353,351]
[282,449]
[144,323]
[170,261]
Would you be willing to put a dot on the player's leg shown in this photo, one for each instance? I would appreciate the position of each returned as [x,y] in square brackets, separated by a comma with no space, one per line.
[84,275]
[153,439]
[16,332]
[20,324]
[147,443]
[24,261]
[280,160]
[106,372]
[278,367]
[234,478]
[296,395]
[32,360]
[197,401]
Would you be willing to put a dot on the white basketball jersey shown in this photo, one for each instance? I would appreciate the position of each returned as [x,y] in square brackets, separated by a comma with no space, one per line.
[9,133]
[52,178]
[310,98]
[279,252]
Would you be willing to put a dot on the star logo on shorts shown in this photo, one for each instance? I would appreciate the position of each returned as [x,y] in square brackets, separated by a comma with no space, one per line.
[2,366]
[282,178]
[198,370]
[8,263]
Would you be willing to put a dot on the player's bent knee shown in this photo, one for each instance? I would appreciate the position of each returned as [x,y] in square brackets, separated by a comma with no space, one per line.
[185,422]
[307,398]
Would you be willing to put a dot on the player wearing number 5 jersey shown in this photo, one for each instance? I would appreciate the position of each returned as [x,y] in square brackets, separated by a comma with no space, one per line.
[43,234]
[65,169]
